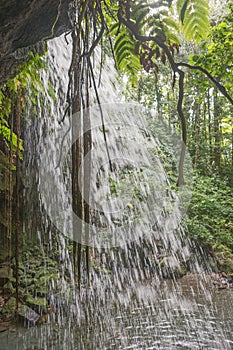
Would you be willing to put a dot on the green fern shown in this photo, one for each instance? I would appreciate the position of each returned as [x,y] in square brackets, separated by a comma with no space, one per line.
[139,14]
[194,18]
[127,60]
[149,18]
[154,18]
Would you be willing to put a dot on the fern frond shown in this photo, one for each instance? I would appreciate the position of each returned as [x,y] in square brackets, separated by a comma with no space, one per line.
[171,23]
[123,38]
[172,38]
[126,48]
[142,17]
[113,30]
[139,9]
[127,59]
[194,18]
[139,14]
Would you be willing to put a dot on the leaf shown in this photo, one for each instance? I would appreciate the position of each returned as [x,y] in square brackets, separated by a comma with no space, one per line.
[183,10]
[194,18]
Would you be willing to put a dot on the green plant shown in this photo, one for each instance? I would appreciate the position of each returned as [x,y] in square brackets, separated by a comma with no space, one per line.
[193,15]
[210,217]
[14,90]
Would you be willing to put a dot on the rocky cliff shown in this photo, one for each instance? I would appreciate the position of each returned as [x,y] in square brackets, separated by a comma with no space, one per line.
[24,26]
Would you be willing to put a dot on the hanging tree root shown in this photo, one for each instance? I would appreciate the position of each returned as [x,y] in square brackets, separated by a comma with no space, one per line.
[130,25]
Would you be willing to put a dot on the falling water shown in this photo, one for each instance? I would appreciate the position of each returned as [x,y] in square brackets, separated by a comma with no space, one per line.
[136,236]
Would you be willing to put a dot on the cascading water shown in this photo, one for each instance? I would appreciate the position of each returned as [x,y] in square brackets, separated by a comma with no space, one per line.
[135,234]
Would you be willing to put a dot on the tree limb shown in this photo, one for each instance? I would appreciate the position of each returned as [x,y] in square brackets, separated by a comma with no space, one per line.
[160,42]
[219,86]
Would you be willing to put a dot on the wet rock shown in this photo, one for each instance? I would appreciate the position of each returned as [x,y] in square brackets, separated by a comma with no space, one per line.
[38,304]
[27,316]
[24,23]
[4,326]
[171,267]
[43,319]
[223,281]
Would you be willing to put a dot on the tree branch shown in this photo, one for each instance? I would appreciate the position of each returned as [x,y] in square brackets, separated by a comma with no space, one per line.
[219,86]
[160,42]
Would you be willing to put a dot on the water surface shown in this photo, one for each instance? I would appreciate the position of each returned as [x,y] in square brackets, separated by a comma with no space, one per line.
[174,315]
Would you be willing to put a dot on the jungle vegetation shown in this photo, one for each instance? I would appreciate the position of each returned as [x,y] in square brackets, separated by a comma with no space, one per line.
[176,57]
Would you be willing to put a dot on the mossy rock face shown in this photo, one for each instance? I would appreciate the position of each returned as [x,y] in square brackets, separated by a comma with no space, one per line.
[47,272]
[225,258]
[5,274]
[172,268]
[4,253]
[8,287]
[38,304]
[8,309]
[27,282]
[24,30]
[227,266]
[50,263]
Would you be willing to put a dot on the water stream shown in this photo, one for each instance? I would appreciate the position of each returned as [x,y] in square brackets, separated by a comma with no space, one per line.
[135,237]
[169,315]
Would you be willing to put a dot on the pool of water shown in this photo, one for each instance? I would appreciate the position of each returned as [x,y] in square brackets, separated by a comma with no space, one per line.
[187,314]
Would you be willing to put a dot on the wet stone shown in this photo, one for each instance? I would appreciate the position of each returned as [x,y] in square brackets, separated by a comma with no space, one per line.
[171,267]
[4,326]
[27,316]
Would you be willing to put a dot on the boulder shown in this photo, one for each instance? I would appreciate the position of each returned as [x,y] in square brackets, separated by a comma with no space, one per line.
[27,316]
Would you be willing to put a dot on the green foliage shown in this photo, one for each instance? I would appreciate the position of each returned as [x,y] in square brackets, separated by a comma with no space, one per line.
[216,54]
[155,19]
[208,115]
[194,18]
[149,18]
[6,133]
[216,57]
[27,79]
[210,216]
[127,60]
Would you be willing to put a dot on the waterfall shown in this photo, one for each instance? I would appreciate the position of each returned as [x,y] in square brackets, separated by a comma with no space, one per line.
[136,234]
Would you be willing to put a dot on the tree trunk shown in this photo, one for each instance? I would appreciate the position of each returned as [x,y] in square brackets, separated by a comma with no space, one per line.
[217,133]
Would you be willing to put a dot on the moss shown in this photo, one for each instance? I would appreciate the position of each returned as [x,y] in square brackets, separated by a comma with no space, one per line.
[172,268]
[8,309]
[225,257]
[5,274]
[8,288]
[38,304]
